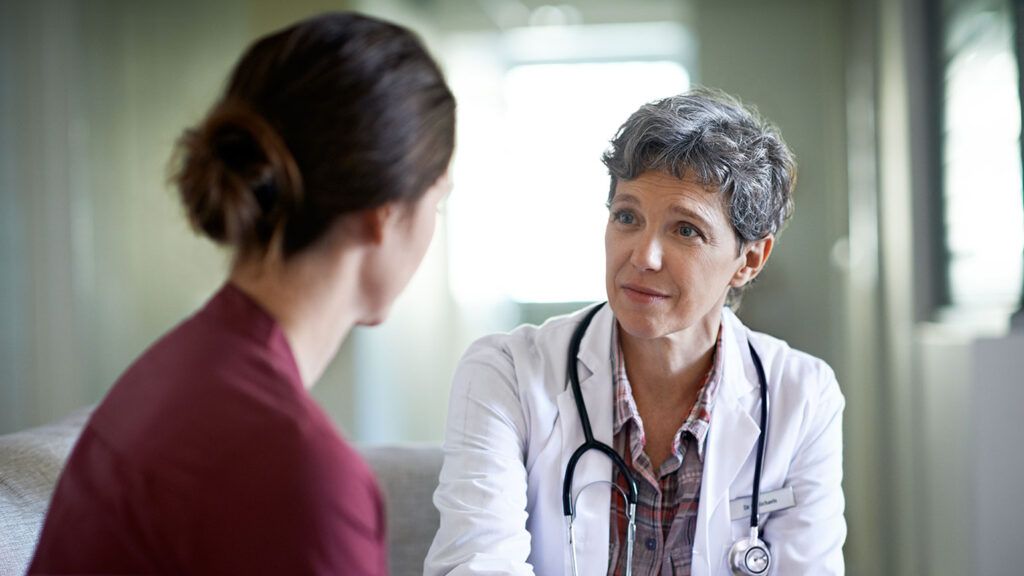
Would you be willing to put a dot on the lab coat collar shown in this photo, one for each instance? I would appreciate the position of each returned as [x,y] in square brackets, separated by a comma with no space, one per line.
[737,364]
[595,348]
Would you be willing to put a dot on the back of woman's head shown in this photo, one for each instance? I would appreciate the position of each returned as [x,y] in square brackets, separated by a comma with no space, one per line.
[333,115]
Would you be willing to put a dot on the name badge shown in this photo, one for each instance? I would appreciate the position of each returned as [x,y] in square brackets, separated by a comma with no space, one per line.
[769,502]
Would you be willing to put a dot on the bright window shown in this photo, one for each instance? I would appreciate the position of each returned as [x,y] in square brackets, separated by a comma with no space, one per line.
[984,210]
[526,222]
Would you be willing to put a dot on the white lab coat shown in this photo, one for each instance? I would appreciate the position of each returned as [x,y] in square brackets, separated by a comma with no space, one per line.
[512,426]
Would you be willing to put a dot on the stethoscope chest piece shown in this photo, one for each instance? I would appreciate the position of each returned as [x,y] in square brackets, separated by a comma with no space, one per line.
[750,556]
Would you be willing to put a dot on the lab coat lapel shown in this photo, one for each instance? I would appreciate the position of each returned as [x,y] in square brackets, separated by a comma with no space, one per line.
[592,510]
[731,440]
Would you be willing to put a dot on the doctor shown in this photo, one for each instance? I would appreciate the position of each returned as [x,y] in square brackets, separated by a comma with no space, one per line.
[671,381]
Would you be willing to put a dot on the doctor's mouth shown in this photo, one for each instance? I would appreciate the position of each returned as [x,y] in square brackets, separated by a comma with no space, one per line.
[643,295]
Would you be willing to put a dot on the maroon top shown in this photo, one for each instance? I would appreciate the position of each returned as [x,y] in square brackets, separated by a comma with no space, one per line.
[208,456]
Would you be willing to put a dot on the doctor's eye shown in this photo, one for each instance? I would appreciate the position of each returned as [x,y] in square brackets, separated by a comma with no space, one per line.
[687,231]
[623,217]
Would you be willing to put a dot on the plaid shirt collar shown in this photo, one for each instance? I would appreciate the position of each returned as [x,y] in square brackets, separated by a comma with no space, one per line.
[699,420]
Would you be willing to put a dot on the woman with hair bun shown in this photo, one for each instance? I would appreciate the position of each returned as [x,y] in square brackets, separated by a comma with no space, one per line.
[321,168]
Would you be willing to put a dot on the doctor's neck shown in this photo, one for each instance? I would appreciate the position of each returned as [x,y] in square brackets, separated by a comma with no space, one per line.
[675,363]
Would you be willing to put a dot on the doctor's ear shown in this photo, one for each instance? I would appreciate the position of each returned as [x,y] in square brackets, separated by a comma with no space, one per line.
[753,256]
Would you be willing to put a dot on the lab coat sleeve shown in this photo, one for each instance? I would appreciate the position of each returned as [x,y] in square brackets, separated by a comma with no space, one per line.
[808,538]
[481,495]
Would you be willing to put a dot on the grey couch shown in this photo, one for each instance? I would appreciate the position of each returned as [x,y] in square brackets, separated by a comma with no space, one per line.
[31,460]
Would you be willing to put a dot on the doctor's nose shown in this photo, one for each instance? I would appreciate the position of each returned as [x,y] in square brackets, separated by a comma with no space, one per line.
[647,253]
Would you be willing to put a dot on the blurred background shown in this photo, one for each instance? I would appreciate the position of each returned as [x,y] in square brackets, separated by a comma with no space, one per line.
[901,267]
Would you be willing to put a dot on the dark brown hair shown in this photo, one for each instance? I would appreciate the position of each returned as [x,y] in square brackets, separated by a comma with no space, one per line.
[335,114]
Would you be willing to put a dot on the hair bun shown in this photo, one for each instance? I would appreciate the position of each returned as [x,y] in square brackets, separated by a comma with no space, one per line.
[237,179]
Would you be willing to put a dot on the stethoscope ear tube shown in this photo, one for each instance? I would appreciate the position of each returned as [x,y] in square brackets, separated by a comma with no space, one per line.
[570,470]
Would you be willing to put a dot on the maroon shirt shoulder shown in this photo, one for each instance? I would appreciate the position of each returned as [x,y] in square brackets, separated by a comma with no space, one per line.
[208,456]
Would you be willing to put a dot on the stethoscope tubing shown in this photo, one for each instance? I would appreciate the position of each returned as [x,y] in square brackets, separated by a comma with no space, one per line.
[589,443]
[761,439]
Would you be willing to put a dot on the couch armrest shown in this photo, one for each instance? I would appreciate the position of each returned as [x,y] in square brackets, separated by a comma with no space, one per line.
[407,475]
[30,463]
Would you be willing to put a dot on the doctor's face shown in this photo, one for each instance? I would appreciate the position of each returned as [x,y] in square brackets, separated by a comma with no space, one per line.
[671,255]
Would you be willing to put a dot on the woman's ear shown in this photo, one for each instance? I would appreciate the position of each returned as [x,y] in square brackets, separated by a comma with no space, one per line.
[753,256]
[375,222]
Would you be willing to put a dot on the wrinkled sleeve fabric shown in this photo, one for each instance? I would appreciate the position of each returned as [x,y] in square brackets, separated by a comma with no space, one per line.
[808,538]
[482,493]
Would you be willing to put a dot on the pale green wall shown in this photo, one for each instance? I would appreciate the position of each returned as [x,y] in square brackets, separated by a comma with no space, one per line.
[786,57]
[99,262]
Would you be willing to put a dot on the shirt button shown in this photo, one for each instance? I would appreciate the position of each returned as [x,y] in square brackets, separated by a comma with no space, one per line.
[651,543]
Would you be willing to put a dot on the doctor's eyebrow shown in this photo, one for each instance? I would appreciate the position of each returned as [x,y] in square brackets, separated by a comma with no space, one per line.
[682,210]
[689,213]
[622,198]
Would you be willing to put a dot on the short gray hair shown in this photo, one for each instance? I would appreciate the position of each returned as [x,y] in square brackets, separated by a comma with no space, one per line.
[712,137]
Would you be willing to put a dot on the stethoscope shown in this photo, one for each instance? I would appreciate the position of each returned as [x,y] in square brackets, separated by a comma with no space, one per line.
[747,557]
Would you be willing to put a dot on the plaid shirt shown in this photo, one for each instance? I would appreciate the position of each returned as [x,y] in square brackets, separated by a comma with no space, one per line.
[666,512]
